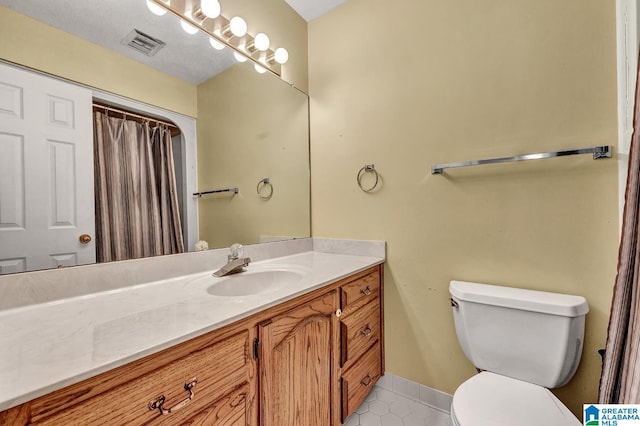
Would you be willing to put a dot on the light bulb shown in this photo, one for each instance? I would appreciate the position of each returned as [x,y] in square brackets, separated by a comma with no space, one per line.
[186,26]
[261,42]
[259,68]
[216,44]
[281,55]
[238,26]
[155,9]
[239,57]
[210,8]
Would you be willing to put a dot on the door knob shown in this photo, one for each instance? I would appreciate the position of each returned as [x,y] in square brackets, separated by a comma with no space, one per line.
[85,239]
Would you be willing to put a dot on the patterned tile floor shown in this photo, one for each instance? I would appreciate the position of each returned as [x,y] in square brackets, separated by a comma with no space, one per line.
[385,408]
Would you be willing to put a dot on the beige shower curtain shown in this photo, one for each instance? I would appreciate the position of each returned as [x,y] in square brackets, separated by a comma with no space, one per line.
[135,190]
[620,379]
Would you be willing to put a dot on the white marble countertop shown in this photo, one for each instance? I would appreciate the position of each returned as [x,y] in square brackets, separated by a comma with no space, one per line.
[48,346]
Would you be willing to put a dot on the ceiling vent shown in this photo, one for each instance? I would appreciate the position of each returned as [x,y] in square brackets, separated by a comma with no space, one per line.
[143,43]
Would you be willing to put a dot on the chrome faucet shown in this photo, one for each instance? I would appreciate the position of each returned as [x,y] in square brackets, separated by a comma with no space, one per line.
[236,262]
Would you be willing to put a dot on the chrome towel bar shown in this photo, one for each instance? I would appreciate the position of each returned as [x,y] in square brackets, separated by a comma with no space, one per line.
[603,151]
[216,191]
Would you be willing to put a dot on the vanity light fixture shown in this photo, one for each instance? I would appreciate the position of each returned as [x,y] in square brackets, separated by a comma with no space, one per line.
[155,9]
[236,27]
[216,44]
[240,57]
[187,26]
[210,8]
[260,42]
[280,56]
[206,16]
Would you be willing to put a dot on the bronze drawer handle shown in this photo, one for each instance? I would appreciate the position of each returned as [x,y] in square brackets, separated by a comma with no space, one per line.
[365,332]
[365,291]
[159,401]
[367,380]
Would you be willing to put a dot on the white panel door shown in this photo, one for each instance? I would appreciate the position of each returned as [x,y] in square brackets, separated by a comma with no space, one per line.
[46,172]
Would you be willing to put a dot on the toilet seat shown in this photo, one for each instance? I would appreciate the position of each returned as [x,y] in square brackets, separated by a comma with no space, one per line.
[488,399]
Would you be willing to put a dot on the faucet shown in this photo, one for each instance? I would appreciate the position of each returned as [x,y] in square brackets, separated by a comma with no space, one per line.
[236,262]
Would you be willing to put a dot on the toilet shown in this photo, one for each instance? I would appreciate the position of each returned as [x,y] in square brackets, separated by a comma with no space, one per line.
[524,342]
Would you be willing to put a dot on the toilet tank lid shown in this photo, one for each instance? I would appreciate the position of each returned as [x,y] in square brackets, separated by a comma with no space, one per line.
[518,298]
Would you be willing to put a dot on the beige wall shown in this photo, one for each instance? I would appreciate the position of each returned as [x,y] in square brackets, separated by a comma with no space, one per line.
[409,83]
[252,126]
[33,44]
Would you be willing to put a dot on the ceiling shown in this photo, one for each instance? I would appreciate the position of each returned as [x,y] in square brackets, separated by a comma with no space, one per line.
[311,9]
[107,22]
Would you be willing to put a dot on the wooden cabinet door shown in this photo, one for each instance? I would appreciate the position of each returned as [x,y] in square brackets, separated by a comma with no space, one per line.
[298,371]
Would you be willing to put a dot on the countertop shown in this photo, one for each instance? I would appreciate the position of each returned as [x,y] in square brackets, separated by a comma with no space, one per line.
[48,346]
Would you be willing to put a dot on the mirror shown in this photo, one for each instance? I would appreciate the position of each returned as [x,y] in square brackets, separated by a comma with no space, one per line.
[250,126]
[252,132]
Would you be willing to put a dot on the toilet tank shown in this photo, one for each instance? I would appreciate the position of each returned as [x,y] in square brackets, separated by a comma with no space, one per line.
[528,335]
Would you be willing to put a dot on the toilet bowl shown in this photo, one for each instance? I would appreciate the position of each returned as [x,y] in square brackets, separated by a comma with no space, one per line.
[526,342]
[489,399]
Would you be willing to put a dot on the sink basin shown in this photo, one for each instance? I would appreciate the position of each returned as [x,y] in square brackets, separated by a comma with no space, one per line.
[254,282]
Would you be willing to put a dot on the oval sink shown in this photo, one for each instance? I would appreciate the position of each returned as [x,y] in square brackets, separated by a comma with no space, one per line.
[254,282]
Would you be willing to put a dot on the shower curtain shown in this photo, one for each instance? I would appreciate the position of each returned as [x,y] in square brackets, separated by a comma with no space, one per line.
[135,190]
[620,379]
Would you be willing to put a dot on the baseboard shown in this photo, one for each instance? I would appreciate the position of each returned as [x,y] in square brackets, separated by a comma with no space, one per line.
[429,396]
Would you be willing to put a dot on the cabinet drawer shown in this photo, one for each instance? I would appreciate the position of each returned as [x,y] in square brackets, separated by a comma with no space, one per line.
[364,288]
[230,410]
[358,381]
[359,331]
[218,369]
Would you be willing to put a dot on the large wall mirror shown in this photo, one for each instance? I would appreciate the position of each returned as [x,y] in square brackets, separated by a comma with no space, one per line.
[252,128]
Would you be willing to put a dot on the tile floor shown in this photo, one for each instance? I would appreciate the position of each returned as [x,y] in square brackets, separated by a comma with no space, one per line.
[385,408]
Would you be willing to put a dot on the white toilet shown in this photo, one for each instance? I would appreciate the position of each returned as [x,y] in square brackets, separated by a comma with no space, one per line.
[525,342]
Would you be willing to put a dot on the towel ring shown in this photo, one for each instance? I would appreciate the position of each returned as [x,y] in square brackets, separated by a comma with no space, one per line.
[261,185]
[368,168]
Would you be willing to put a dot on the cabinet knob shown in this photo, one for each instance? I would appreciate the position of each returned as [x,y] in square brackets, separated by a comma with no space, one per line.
[339,313]
[365,332]
[367,380]
[365,291]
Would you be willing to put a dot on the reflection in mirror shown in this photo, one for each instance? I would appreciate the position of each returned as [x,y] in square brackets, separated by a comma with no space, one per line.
[252,130]
[250,127]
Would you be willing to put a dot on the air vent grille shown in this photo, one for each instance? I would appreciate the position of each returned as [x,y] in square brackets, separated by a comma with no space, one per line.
[143,43]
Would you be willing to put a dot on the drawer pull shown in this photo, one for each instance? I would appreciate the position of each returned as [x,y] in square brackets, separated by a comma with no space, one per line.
[157,404]
[367,380]
[365,332]
[365,291]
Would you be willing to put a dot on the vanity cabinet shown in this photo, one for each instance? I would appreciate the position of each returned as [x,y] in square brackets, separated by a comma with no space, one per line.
[298,364]
[208,380]
[362,357]
[307,361]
